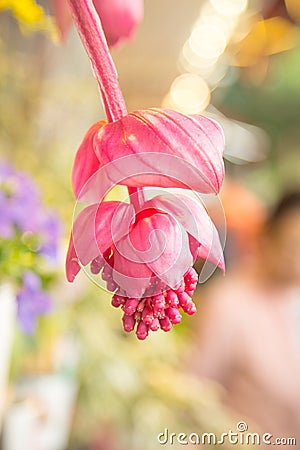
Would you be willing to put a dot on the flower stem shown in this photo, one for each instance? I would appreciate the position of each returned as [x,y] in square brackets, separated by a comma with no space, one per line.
[90,29]
[137,197]
[91,33]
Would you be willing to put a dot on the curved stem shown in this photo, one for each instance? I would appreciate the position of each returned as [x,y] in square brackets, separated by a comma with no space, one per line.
[90,29]
[91,33]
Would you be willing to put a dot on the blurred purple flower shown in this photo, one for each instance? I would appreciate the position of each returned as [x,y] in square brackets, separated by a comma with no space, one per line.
[21,209]
[25,220]
[51,232]
[19,202]
[32,302]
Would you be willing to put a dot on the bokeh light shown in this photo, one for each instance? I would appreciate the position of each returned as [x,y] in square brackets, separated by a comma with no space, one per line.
[229,7]
[189,94]
[208,41]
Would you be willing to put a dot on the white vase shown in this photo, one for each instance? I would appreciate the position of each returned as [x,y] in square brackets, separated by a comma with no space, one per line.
[7,325]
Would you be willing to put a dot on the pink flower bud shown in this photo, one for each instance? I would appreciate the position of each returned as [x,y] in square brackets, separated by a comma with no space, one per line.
[180,288]
[155,324]
[165,324]
[158,298]
[107,273]
[158,310]
[141,305]
[172,299]
[142,331]
[117,300]
[97,264]
[128,323]
[183,298]
[190,293]
[174,315]
[191,275]
[147,316]
[111,285]
[130,306]
[189,307]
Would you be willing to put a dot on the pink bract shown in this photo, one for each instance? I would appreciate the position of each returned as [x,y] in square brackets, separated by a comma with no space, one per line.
[196,139]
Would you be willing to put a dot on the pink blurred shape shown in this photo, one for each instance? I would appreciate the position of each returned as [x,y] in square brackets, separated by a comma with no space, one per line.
[119,18]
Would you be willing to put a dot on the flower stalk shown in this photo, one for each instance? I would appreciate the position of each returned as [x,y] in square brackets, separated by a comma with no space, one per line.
[91,33]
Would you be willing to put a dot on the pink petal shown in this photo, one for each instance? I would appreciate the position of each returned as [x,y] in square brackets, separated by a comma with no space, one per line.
[160,242]
[95,230]
[86,162]
[119,18]
[175,150]
[132,277]
[83,235]
[194,218]
[180,266]
[72,266]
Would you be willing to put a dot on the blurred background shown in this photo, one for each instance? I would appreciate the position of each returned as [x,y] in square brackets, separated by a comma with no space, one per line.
[72,379]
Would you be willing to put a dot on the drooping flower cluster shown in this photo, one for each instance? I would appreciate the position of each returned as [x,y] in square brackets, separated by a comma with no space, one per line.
[29,237]
[151,283]
[143,249]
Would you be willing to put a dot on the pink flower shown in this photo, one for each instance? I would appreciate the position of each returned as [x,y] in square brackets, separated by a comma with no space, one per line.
[146,256]
[144,249]
[119,18]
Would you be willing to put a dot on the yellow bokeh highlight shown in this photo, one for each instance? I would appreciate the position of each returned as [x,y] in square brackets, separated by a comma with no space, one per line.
[26,11]
[266,37]
[31,16]
[189,94]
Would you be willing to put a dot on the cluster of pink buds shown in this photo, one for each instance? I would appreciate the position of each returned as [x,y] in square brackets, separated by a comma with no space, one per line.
[160,310]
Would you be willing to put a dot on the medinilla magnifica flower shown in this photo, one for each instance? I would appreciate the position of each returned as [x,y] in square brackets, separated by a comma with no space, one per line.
[143,249]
